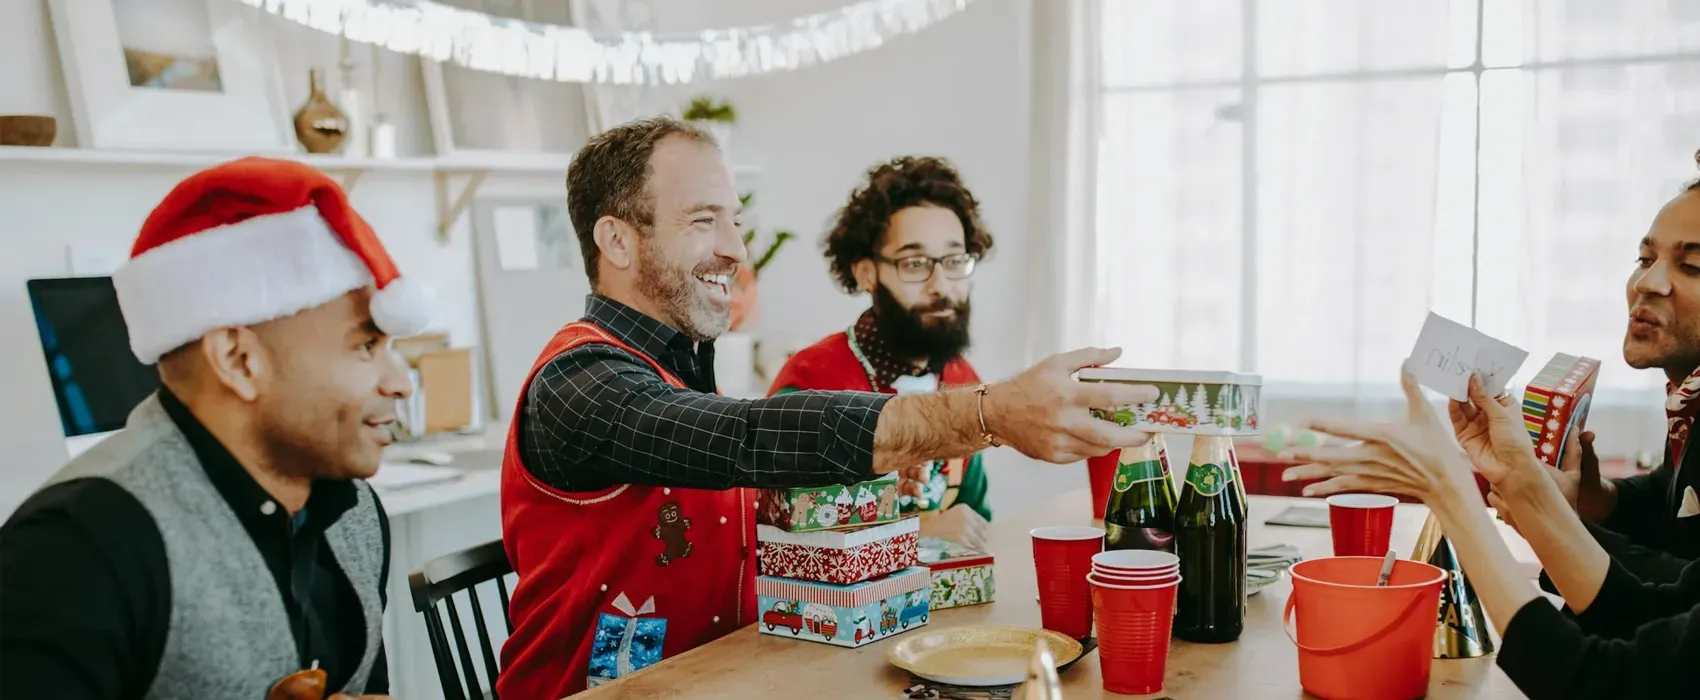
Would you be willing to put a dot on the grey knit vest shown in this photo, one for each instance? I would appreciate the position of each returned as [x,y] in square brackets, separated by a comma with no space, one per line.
[229,635]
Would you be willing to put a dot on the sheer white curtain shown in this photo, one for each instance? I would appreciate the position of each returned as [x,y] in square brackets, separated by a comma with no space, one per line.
[1288,186]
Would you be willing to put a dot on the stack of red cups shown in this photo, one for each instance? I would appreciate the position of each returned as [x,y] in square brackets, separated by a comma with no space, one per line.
[1133,599]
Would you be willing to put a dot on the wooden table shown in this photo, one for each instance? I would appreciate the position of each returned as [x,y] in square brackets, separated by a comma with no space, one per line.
[1262,664]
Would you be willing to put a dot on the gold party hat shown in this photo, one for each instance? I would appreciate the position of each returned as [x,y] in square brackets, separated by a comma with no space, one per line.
[1461,629]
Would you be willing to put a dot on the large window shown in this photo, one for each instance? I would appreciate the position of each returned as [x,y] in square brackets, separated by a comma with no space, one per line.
[1288,186]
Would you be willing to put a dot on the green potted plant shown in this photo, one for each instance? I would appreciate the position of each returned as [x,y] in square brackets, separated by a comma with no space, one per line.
[714,116]
[745,293]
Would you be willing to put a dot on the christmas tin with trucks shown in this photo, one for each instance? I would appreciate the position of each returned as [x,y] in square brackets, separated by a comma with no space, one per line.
[1555,403]
[838,556]
[830,507]
[1199,403]
[847,616]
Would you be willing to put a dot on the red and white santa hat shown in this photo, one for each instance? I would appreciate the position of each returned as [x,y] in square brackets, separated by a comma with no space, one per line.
[250,241]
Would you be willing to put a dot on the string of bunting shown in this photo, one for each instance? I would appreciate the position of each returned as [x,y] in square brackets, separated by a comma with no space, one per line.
[516,47]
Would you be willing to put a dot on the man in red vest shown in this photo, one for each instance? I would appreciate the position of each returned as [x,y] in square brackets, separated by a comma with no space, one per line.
[624,502]
[909,238]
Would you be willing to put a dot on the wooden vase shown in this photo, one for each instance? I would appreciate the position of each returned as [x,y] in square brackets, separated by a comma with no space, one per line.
[319,125]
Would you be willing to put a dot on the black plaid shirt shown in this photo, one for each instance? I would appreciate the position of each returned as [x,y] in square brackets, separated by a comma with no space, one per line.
[598,416]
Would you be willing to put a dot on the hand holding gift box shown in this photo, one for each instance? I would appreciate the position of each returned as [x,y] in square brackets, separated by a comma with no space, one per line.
[1555,404]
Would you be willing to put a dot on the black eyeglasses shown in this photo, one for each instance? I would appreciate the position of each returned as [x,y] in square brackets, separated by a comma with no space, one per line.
[919,268]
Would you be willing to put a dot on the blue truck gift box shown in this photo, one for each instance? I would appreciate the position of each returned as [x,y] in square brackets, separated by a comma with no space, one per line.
[847,616]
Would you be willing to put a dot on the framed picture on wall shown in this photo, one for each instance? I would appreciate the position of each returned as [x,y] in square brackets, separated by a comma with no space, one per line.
[171,75]
[489,116]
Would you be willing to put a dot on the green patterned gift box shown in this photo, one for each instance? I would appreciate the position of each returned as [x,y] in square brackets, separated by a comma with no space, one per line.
[830,507]
[961,576]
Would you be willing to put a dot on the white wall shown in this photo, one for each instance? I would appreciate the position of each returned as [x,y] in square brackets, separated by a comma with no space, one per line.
[959,90]
[44,209]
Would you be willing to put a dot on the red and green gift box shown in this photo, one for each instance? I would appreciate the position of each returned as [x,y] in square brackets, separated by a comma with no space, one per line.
[1555,403]
[830,507]
[960,575]
[838,556]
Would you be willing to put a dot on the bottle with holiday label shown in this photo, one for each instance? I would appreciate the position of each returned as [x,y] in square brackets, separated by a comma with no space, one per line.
[1141,510]
[1210,539]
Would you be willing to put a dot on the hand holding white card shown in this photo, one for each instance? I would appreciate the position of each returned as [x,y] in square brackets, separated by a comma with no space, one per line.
[1447,353]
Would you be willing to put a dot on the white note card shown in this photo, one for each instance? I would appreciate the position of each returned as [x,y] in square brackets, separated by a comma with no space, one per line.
[516,238]
[1447,353]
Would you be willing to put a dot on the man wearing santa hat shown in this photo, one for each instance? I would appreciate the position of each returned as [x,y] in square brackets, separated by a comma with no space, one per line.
[224,539]
[625,510]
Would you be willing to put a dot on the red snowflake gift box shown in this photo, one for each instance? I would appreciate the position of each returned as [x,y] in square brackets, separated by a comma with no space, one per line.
[830,507]
[1556,403]
[838,556]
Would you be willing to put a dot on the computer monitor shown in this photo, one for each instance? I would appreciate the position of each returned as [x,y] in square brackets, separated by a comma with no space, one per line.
[96,378]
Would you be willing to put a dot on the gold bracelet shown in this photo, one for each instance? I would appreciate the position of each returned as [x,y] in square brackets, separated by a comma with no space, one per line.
[980,400]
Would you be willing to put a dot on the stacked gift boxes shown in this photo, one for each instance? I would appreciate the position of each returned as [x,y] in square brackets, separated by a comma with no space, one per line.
[1555,403]
[837,564]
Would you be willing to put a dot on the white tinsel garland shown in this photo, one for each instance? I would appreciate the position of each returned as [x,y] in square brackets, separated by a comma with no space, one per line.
[551,52]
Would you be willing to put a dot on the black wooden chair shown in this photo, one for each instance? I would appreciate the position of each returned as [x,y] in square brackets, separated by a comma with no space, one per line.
[434,588]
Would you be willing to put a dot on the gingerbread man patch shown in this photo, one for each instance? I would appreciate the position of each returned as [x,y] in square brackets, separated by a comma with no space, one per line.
[671,532]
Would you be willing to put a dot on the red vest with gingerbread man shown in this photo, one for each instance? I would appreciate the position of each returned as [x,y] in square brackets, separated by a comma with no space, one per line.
[613,580]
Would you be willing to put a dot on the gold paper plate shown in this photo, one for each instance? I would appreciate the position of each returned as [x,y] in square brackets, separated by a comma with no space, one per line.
[978,655]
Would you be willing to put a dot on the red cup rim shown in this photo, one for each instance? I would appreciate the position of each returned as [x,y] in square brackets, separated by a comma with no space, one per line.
[1135,559]
[1116,570]
[1362,500]
[1094,580]
[1066,533]
[1133,574]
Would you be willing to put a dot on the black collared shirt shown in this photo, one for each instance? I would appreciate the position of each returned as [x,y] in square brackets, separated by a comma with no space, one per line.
[598,416]
[85,588]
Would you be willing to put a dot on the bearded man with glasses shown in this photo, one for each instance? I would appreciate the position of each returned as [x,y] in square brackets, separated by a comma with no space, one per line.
[910,237]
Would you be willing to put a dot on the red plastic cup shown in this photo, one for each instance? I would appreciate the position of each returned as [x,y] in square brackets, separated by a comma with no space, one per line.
[1134,623]
[1135,560]
[1062,557]
[1101,472]
[1362,523]
[1136,579]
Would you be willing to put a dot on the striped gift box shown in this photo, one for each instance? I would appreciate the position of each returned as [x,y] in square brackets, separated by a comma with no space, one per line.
[1556,402]
[855,595]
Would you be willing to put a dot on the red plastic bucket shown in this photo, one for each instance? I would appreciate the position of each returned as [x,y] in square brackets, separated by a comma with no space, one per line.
[1357,640]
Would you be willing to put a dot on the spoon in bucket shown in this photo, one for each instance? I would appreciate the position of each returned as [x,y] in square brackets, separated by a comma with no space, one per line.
[1386,568]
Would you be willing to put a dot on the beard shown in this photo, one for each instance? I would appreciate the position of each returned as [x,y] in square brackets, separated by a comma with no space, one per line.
[680,296]
[911,335]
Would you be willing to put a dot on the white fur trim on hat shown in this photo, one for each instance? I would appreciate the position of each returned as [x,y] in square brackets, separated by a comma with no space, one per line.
[403,307]
[257,270]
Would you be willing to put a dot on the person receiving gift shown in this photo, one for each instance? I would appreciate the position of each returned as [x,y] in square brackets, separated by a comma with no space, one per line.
[624,504]
[910,237]
[224,540]
[1651,522]
[1624,638]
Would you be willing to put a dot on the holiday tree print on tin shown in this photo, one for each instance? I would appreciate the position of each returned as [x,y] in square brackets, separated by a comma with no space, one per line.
[1193,407]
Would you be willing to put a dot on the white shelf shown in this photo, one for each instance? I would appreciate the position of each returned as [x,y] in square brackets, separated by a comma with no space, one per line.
[467,171]
[489,162]
[86,156]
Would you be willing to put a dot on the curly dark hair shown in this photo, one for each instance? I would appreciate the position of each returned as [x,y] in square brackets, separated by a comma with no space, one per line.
[609,176]
[902,182]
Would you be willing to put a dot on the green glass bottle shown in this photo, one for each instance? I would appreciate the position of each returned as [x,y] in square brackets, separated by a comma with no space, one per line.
[1210,539]
[1141,511]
